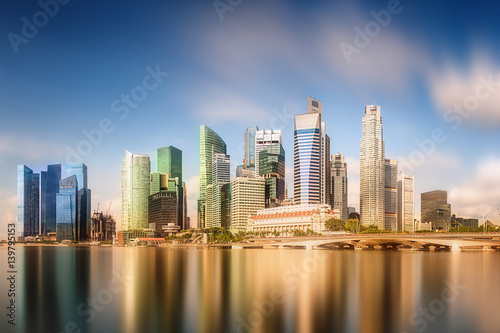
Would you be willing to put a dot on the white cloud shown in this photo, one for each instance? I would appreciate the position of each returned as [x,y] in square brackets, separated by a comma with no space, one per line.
[456,85]
[480,192]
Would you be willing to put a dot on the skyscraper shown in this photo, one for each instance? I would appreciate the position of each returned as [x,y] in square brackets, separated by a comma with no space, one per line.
[406,202]
[221,175]
[250,155]
[163,203]
[247,197]
[372,169]
[135,186]
[263,139]
[391,195]
[83,199]
[170,162]
[339,185]
[210,143]
[436,209]
[28,206]
[49,188]
[311,156]
[272,168]
[67,210]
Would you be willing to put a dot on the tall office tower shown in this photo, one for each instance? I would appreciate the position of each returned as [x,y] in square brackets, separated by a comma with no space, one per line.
[436,209]
[225,206]
[247,197]
[310,156]
[210,143]
[338,185]
[185,224]
[372,169]
[391,195]
[406,202]
[67,210]
[221,174]
[49,188]
[272,168]
[325,166]
[28,206]
[264,139]
[135,190]
[250,155]
[170,162]
[84,217]
[163,203]
[242,172]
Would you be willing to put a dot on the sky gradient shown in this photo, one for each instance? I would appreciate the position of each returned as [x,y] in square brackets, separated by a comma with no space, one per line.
[255,67]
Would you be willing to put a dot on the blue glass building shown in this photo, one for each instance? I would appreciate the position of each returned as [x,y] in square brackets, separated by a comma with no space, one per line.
[49,188]
[67,209]
[28,189]
[83,200]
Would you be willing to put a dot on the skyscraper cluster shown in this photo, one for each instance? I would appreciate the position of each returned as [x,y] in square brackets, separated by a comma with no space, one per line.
[51,205]
[153,200]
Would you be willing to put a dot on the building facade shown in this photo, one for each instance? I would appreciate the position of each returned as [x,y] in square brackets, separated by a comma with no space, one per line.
[67,211]
[406,203]
[210,143]
[250,156]
[264,139]
[248,195]
[83,199]
[49,188]
[170,162]
[436,210]
[102,227]
[135,185]
[221,175]
[339,185]
[28,205]
[272,168]
[285,220]
[391,195]
[372,169]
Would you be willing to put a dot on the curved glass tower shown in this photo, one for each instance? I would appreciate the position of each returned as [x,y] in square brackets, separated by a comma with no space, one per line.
[210,143]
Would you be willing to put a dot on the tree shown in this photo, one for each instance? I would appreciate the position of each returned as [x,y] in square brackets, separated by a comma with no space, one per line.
[334,225]
[352,225]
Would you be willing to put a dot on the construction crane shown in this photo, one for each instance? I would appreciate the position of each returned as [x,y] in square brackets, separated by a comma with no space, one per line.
[109,206]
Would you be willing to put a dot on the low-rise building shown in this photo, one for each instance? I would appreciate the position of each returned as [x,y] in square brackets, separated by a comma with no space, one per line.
[286,219]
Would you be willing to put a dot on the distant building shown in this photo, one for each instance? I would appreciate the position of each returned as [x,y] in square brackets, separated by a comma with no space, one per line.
[461,222]
[221,174]
[391,195]
[339,185]
[49,188]
[83,201]
[242,172]
[247,197]
[210,143]
[264,139]
[372,169]
[225,206]
[436,209]
[163,210]
[351,210]
[406,202]
[285,220]
[250,156]
[28,206]
[102,227]
[67,211]
[135,186]
[288,202]
[272,168]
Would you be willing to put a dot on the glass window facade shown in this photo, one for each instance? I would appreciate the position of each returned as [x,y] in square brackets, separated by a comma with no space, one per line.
[67,209]
[49,188]
[28,206]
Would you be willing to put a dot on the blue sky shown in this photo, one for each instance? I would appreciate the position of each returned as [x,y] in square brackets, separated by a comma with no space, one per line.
[255,67]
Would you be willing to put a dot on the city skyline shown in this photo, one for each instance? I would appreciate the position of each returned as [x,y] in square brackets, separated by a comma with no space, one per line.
[464,163]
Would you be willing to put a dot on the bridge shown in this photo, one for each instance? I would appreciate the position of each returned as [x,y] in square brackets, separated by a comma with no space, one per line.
[416,242]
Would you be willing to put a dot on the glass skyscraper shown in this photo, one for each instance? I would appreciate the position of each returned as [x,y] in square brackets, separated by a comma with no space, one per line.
[338,185]
[210,143]
[135,186]
[49,188]
[170,162]
[264,139]
[372,169]
[83,201]
[67,209]
[272,168]
[250,156]
[221,175]
[28,206]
